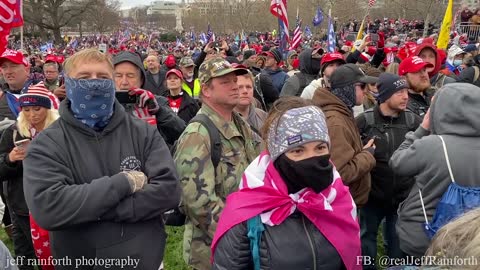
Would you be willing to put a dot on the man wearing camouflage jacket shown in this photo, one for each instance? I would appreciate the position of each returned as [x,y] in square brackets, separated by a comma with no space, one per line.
[206,188]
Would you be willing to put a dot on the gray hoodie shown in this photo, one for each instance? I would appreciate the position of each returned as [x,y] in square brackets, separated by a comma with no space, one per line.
[309,69]
[454,115]
[74,188]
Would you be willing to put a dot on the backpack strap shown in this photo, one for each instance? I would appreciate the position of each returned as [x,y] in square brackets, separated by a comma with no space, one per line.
[214,134]
[423,206]
[447,159]
[255,229]
[476,74]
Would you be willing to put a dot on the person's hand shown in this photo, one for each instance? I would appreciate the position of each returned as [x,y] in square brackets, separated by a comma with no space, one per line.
[370,143]
[136,180]
[426,120]
[365,43]
[146,99]
[17,154]
[60,92]
[208,48]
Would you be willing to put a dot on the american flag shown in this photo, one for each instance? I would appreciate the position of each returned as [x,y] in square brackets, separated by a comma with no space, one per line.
[331,36]
[371,3]
[279,9]
[297,35]
[210,34]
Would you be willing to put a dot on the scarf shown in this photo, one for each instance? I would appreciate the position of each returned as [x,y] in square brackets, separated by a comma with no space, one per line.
[263,192]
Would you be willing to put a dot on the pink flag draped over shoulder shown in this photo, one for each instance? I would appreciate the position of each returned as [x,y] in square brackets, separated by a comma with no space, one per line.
[263,192]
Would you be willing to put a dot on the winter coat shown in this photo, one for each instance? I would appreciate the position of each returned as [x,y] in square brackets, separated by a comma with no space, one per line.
[12,173]
[309,91]
[75,189]
[279,77]
[153,87]
[454,115]
[419,104]
[309,69]
[388,189]
[265,83]
[279,247]
[188,108]
[468,75]
[351,160]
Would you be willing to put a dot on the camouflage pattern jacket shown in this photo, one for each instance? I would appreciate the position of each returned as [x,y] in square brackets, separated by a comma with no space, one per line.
[204,194]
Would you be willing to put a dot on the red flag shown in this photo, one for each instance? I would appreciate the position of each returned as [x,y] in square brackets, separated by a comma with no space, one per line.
[279,9]
[9,18]
[371,3]
[17,19]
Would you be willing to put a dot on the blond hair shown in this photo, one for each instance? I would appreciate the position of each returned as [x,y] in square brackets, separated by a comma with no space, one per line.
[23,126]
[458,239]
[87,56]
[249,75]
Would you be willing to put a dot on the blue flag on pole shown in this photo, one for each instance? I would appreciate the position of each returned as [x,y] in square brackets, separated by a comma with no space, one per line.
[307,31]
[331,36]
[318,19]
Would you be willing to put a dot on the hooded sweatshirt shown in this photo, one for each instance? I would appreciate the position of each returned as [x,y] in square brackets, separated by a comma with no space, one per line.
[74,188]
[436,79]
[169,124]
[351,160]
[309,69]
[454,114]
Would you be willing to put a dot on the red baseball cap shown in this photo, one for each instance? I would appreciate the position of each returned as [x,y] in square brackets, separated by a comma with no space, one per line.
[176,72]
[330,57]
[411,65]
[13,56]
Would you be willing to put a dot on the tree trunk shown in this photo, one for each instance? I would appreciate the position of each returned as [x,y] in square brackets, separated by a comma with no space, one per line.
[57,35]
[427,22]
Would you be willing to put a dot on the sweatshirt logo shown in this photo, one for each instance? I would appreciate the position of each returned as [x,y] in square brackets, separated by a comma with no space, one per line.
[131,163]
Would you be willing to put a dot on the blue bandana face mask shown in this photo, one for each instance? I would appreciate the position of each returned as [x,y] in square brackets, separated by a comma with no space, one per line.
[91,100]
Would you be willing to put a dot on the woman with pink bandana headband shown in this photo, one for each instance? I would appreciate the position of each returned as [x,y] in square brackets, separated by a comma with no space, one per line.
[292,210]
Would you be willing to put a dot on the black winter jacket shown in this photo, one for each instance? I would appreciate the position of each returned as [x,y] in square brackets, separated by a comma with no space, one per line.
[294,244]
[150,84]
[388,190]
[188,108]
[419,104]
[12,173]
[74,189]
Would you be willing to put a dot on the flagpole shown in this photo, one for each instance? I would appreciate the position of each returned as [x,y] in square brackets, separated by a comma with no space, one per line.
[21,27]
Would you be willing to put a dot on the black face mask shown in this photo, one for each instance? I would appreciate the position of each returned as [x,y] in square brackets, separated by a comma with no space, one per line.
[315,173]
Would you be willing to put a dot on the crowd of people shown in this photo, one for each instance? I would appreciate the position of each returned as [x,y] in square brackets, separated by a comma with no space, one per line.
[270,159]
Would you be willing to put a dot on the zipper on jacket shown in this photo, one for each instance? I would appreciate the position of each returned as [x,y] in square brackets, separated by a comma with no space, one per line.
[311,244]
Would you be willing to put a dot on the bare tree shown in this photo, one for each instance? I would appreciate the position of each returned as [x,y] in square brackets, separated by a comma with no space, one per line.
[103,15]
[54,14]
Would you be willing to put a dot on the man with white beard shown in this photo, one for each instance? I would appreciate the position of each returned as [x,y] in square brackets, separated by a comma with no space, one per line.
[414,69]
[190,84]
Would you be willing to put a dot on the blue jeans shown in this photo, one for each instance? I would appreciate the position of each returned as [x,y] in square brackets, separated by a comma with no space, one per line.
[370,218]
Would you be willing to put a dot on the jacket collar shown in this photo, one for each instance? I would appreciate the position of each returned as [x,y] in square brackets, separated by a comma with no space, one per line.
[117,118]
[228,129]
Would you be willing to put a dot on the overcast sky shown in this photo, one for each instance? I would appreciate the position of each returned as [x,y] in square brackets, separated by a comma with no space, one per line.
[133,3]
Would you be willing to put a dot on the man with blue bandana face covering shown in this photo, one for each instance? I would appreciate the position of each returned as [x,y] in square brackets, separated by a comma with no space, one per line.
[93,178]
[91,100]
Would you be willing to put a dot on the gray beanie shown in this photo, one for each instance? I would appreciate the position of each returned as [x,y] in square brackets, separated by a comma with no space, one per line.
[297,127]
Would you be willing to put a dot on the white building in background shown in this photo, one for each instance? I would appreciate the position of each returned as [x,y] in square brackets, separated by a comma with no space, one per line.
[167,8]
